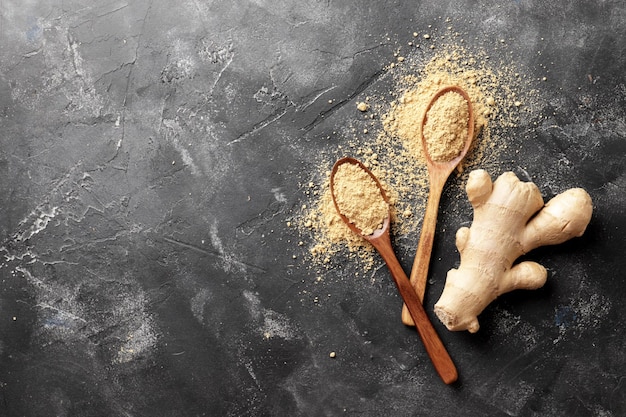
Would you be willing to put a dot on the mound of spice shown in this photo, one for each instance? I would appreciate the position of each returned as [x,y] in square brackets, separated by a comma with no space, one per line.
[446,127]
[358,198]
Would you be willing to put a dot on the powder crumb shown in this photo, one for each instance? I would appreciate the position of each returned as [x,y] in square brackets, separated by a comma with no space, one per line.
[362,106]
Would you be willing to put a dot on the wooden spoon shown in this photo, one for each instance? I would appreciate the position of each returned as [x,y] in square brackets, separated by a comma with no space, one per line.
[438,173]
[381,240]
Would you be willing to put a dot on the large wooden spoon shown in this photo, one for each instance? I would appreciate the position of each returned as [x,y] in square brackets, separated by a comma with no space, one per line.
[381,240]
[438,173]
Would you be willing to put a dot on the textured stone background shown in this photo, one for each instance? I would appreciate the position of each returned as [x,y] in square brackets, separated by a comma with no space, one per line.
[151,153]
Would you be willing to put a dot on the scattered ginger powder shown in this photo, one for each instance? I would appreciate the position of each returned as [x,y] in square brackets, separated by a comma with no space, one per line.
[446,127]
[393,149]
[359,199]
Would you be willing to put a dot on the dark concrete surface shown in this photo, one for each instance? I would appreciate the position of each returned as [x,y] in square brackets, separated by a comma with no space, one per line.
[151,153]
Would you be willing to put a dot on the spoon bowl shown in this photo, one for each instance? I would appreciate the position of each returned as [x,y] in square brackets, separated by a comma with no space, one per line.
[452,163]
[381,241]
[386,222]
[438,173]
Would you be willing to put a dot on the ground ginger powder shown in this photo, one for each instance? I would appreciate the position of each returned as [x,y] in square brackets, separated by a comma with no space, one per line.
[404,118]
[359,199]
[445,127]
[331,234]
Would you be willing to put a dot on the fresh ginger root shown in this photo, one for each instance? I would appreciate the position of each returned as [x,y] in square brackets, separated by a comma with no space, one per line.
[510,219]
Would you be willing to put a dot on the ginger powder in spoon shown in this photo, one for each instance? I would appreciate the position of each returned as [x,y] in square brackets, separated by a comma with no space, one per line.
[445,129]
[359,199]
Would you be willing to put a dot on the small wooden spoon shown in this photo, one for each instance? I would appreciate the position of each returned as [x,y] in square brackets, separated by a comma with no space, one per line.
[381,240]
[438,173]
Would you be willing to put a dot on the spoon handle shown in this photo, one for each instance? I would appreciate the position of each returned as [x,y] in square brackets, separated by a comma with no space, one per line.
[434,346]
[421,263]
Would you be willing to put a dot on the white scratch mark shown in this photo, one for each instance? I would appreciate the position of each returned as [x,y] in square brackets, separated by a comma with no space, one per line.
[176,131]
[258,128]
[230,263]
[137,342]
[250,370]
[316,97]
[228,61]
[43,216]
[254,304]
[276,324]
[77,60]
[273,324]
[279,195]
[198,303]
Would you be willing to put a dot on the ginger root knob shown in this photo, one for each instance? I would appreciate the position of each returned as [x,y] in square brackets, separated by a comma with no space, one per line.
[510,219]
